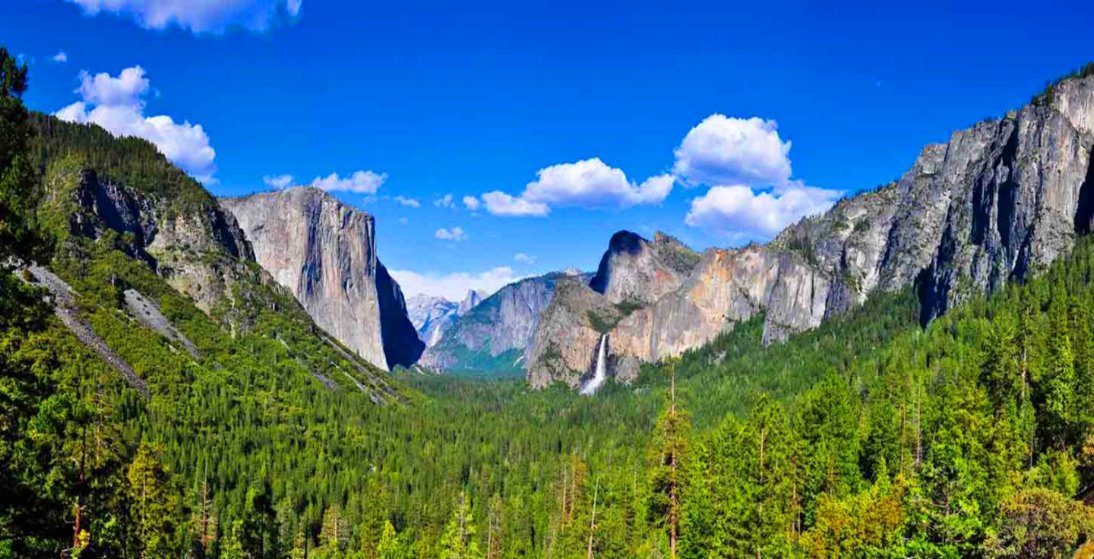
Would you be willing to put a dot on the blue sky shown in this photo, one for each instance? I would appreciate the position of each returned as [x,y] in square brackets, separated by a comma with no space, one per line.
[714,122]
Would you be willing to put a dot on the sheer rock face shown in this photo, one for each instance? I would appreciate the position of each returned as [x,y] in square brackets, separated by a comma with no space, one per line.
[470,301]
[196,251]
[324,252]
[497,331]
[998,201]
[431,317]
[565,344]
[636,271]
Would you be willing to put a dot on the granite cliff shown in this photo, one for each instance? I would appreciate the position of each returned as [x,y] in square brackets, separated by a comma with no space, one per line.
[995,203]
[494,335]
[135,230]
[432,316]
[190,242]
[324,252]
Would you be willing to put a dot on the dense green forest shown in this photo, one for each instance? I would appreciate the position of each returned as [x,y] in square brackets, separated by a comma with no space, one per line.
[870,436]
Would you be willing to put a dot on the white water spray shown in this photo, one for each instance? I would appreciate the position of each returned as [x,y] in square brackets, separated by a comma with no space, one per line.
[601,372]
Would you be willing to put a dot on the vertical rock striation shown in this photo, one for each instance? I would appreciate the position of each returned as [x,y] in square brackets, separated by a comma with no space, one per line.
[494,335]
[325,253]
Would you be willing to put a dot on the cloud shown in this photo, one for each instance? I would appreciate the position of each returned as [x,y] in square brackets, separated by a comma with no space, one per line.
[117,104]
[409,202]
[199,16]
[279,182]
[591,183]
[445,201]
[500,203]
[739,211]
[453,234]
[103,89]
[454,286]
[60,57]
[404,220]
[360,182]
[471,203]
[524,258]
[721,150]
[588,184]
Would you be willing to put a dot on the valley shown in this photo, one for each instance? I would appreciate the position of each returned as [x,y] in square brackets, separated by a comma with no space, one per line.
[907,374]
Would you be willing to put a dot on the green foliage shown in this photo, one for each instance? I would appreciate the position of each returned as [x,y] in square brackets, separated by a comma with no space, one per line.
[154,503]
[800,244]
[866,437]
[628,306]
[601,323]
[134,162]
[1038,523]
[17,185]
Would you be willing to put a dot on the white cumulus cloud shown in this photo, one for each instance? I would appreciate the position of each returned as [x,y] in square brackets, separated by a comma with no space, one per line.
[741,212]
[454,286]
[446,201]
[198,16]
[524,258]
[747,165]
[360,182]
[722,150]
[61,57]
[500,203]
[471,203]
[453,234]
[279,182]
[589,183]
[408,202]
[117,104]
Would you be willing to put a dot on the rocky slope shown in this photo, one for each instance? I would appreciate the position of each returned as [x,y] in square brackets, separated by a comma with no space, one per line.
[993,204]
[122,217]
[195,248]
[495,334]
[639,272]
[324,252]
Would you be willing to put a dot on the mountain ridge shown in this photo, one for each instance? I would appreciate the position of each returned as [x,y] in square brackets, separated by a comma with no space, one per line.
[998,200]
[324,252]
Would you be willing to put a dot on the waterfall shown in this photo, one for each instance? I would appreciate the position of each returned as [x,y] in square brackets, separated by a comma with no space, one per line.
[601,372]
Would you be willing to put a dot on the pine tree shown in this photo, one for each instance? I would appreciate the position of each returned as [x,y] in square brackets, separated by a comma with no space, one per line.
[667,476]
[154,502]
[17,236]
[390,546]
[1058,386]
[458,539]
[333,534]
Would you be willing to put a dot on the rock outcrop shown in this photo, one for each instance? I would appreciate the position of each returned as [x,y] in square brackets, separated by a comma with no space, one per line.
[324,252]
[565,343]
[638,272]
[195,246]
[432,316]
[998,201]
[470,301]
[494,335]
